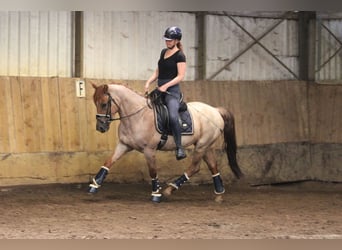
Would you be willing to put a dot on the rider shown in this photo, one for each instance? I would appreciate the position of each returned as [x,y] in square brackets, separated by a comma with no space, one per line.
[170,72]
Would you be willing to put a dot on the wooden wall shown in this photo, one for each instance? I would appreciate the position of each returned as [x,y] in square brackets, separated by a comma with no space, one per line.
[265,112]
[44,115]
[47,134]
[325,113]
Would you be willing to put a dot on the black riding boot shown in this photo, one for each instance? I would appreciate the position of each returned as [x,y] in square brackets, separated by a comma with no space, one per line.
[172,103]
[98,180]
[180,153]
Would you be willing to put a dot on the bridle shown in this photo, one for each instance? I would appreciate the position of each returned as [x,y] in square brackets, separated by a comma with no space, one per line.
[108,116]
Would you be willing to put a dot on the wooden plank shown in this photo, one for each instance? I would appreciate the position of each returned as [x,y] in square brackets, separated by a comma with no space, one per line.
[18,110]
[69,112]
[52,140]
[93,142]
[5,115]
[32,103]
[325,113]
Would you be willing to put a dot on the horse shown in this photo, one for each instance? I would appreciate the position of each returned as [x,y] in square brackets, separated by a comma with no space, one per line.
[137,131]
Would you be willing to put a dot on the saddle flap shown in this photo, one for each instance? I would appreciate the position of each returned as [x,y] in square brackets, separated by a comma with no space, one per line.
[161,115]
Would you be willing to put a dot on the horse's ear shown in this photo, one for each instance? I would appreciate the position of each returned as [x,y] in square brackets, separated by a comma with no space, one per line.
[105,89]
[94,85]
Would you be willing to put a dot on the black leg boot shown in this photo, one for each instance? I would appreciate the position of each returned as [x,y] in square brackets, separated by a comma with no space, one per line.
[98,180]
[218,184]
[156,195]
[180,181]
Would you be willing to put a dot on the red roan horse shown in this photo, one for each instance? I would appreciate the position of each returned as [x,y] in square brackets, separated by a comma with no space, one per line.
[137,131]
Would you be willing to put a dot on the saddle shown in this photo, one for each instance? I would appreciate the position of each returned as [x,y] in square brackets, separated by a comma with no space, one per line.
[161,117]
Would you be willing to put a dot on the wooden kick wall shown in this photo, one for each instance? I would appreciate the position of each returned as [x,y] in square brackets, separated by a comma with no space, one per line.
[47,134]
[44,115]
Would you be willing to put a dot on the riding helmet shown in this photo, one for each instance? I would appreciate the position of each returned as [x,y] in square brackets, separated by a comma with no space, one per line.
[173,33]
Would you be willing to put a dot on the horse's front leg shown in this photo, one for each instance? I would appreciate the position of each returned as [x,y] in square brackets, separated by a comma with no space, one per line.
[97,181]
[150,156]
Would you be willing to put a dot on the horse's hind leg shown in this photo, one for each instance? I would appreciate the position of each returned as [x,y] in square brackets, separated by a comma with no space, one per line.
[210,160]
[192,169]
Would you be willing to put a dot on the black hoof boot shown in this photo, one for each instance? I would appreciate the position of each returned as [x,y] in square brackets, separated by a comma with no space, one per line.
[218,184]
[92,189]
[156,196]
[98,180]
[180,181]
[180,153]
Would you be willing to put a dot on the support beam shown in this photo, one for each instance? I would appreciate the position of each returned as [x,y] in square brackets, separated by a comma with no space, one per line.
[200,73]
[306,45]
[78,45]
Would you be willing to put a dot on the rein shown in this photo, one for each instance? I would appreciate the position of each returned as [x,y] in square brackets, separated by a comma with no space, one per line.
[108,114]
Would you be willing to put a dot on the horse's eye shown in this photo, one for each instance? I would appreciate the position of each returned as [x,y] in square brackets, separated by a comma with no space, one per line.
[103,105]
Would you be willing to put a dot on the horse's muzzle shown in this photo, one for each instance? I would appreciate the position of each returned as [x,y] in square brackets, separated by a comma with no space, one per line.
[102,126]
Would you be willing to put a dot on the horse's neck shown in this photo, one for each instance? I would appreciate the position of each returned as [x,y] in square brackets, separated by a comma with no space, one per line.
[128,100]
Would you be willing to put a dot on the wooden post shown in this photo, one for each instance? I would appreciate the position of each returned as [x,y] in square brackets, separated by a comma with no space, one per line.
[306,45]
[78,46]
[201,45]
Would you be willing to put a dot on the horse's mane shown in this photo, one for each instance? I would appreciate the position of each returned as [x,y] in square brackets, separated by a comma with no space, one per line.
[126,85]
[102,89]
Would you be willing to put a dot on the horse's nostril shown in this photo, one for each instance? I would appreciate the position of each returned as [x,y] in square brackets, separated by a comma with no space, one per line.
[101,129]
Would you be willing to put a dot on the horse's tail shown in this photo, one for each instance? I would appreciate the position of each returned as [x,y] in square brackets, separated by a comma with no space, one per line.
[230,145]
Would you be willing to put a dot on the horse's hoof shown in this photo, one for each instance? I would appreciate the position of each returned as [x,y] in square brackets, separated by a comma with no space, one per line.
[92,190]
[219,198]
[156,198]
[168,191]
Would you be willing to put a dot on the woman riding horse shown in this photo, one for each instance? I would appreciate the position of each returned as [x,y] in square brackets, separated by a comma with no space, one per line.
[170,72]
[135,133]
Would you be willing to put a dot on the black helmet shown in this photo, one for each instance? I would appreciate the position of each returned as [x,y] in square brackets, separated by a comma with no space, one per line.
[173,33]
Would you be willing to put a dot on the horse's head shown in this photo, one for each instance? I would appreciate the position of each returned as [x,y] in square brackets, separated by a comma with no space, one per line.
[103,102]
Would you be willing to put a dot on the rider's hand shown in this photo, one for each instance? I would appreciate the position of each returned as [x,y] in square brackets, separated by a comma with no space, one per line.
[162,88]
[147,85]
